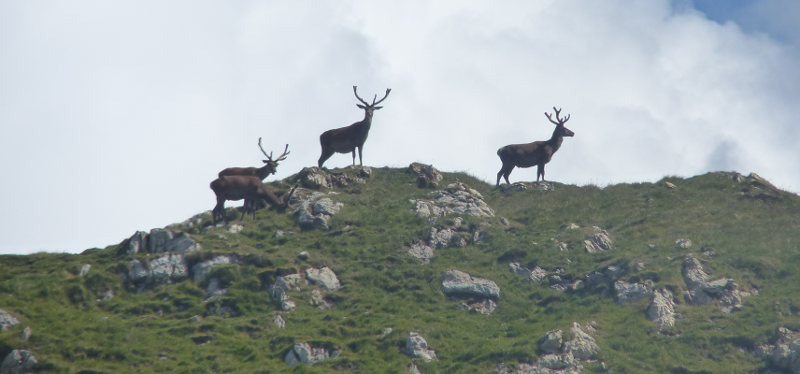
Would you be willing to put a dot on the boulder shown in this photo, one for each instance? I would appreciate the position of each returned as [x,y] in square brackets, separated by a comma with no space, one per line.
[600,241]
[457,198]
[7,320]
[303,353]
[536,275]
[459,283]
[607,274]
[235,229]
[700,291]
[289,281]
[165,269]
[318,301]
[85,269]
[161,241]
[582,346]
[662,309]
[326,206]
[316,210]
[26,333]
[551,341]
[631,292]
[313,177]
[421,251]
[324,277]
[279,321]
[427,175]
[17,362]
[200,270]
[683,243]
[784,353]
[417,347]
[483,306]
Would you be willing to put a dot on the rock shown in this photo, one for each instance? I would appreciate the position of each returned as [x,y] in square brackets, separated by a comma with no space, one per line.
[313,177]
[366,172]
[235,229]
[26,333]
[570,226]
[784,354]
[551,341]
[315,211]
[387,331]
[288,305]
[483,306]
[279,321]
[413,369]
[317,178]
[109,294]
[459,283]
[303,256]
[164,269]
[421,251]
[278,234]
[607,274]
[514,187]
[631,292]
[700,291]
[288,281]
[557,361]
[85,270]
[439,239]
[457,198]
[318,301]
[504,221]
[600,241]
[536,275]
[669,185]
[302,353]
[161,241]
[323,277]
[417,347]
[757,179]
[543,186]
[277,293]
[662,309]
[7,320]
[326,206]
[427,175]
[582,346]
[17,362]
[200,270]
[563,247]
[195,319]
[683,243]
[214,290]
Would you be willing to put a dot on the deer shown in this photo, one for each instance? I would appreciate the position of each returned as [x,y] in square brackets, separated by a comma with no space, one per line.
[270,167]
[247,187]
[537,153]
[348,139]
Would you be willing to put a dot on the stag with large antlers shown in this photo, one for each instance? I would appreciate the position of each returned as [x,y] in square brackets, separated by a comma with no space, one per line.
[536,153]
[270,165]
[347,139]
[247,187]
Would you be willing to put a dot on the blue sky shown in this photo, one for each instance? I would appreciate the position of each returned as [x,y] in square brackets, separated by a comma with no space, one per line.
[115,117]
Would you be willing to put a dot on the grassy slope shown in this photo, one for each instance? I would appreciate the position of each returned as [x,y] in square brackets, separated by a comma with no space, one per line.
[754,233]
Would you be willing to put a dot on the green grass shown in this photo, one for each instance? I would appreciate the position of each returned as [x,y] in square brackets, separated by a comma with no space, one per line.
[754,233]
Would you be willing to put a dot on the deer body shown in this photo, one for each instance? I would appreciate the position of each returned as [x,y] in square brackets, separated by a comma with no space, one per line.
[247,187]
[536,154]
[270,166]
[348,139]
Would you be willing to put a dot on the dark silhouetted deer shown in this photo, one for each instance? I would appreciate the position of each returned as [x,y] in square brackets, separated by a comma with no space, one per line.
[347,139]
[536,153]
[247,187]
[270,167]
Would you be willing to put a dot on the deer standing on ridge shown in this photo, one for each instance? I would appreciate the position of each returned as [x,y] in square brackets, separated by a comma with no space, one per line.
[270,167]
[537,153]
[247,187]
[347,139]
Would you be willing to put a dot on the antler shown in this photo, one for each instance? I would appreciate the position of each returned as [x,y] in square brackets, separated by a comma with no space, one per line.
[269,156]
[560,121]
[373,100]
[384,97]
[359,99]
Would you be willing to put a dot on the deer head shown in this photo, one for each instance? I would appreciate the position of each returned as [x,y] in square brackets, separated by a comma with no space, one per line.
[370,108]
[560,129]
[272,165]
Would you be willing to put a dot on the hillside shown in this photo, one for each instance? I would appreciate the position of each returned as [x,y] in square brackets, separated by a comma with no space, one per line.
[721,250]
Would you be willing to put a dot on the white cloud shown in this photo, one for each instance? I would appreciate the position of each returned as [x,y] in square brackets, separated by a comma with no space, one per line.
[118,116]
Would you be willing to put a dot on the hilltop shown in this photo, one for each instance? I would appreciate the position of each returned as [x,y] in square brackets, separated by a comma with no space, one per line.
[386,270]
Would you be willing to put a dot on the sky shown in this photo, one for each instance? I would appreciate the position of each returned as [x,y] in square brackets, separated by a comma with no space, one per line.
[116,116]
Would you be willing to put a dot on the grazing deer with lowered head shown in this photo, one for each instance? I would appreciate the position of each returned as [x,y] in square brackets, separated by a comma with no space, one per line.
[536,153]
[270,167]
[247,187]
[347,139]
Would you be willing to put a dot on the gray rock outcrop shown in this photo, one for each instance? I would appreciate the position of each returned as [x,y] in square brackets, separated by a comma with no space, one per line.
[427,175]
[456,198]
[161,241]
[700,291]
[316,211]
[535,275]
[303,353]
[165,269]
[318,301]
[459,283]
[324,277]
[662,309]
[7,320]
[417,347]
[200,270]
[279,321]
[279,290]
[632,292]
[19,361]
[560,357]
[85,270]
[317,178]
[785,353]
[607,274]
[26,333]
[600,241]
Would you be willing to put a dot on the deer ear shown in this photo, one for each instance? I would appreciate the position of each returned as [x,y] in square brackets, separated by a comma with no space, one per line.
[378,107]
[265,161]
[361,106]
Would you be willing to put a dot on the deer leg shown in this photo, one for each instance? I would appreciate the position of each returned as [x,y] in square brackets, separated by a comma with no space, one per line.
[218,211]
[360,160]
[354,156]
[507,172]
[540,171]
[326,154]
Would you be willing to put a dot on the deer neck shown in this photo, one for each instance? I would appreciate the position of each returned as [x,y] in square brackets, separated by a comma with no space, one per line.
[556,140]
